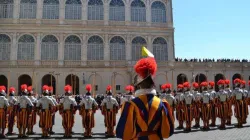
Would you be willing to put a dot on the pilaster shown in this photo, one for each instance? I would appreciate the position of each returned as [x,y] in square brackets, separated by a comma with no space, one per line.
[84,48]
[106,48]
[61,49]
[14,47]
[16,11]
[61,11]
[39,12]
[127,12]
[84,11]
[148,13]
[128,48]
[38,48]
[106,12]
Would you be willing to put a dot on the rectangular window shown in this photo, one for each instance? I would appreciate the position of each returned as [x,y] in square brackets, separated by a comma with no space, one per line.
[6,10]
[118,87]
[96,87]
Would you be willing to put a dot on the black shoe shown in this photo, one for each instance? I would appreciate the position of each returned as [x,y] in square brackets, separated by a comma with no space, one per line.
[212,125]
[2,136]
[52,132]
[180,127]
[11,133]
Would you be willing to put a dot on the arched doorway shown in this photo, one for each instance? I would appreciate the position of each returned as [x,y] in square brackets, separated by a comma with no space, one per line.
[199,78]
[235,76]
[24,79]
[181,78]
[73,80]
[4,81]
[218,77]
[49,80]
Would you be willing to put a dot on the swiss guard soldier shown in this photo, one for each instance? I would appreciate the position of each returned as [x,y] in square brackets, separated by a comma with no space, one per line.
[55,109]
[24,109]
[45,106]
[230,101]
[213,103]
[109,110]
[4,104]
[68,108]
[179,106]
[197,104]
[11,119]
[245,93]
[188,107]
[88,107]
[169,97]
[137,121]
[163,91]
[32,119]
[128,97]
[222,103]
[206,107]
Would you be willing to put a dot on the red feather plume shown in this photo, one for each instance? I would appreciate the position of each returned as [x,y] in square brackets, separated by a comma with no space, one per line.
[195,85]
[51,88]
[45,87]
[243,82]
[163,87]
[249,83]
[88,87]
[108,88]
[186,84]
[23,87]
[168,86]
[204,84]
[146,66]
[129,88]
[211,84]
[227,82]
[12,89]
[29,88]
[221,82]
[237,80]
[180,86]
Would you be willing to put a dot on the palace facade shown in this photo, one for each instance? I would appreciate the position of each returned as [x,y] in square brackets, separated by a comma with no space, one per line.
[79,42]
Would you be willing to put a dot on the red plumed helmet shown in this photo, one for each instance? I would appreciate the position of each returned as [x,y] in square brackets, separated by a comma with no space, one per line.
[45,87]
[195,85]
[204,84]
[227,82]
[237,80]
[129,88]
[12,89]
[29,88]
[211,84]
[243,82]
[108,88]
[221,82]
[23,87]
[186,84]
[180,86]
[88,87]
[51,88]
[146,66]
[249,83]
[168,86]
[163,87]
[67,88]
[2,88]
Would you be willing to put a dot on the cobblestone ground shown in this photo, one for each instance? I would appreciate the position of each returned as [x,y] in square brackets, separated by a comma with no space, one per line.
[231,133]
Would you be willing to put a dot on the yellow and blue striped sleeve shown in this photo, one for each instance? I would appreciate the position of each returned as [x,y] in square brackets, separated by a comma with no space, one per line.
[167,122]
[126,126]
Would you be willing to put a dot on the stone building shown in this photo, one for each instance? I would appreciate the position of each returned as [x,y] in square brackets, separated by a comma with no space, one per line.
[78,42]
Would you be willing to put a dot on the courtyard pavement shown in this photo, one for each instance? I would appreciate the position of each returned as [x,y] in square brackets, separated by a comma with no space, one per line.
[231,133]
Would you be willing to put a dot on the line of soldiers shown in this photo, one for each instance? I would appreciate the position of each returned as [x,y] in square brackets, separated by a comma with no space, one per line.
[24,109]
[208,105]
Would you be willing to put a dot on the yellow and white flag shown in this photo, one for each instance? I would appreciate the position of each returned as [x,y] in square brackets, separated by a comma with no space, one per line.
[146,53]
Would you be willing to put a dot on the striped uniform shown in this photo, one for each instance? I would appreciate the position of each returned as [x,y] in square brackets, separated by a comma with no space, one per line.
[154,119]
[3,112]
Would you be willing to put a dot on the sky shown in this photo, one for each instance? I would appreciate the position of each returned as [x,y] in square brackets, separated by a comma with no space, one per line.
[212,28]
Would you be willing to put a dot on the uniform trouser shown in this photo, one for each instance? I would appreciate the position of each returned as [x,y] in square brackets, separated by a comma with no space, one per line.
[11,119]
[245,110]
[67,121]
[188,111]
[230,112]
[88,121]
[180,115]
[197,112]
[206,114]
[22,121]
[3,119]
[223,112]
[240,111]
[32,121]
[45,121]
[110,121]
[213,114]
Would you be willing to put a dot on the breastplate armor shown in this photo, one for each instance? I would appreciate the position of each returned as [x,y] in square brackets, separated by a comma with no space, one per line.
[67,103]
[32,99]
[45,102]
[88,102]
[179,97]
[3,102]
[198,96]
[170,99]
[188,98]
[206,98]
[12,100]
[223,96]
[238,94]
[109,103]
[24,101]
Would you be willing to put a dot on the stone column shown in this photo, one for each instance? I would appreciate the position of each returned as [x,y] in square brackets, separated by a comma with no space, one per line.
[38,49]
[148,13]
[170,45]
[128,48]
[16,11]
[61,11]
[169,13]
[127,13]
[85,11]
[61,49]
[84,51]
[39,11]
[106,48]
[106,12]
[149,43]
[14,47]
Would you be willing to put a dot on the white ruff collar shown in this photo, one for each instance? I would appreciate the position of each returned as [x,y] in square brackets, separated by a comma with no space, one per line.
[145,91]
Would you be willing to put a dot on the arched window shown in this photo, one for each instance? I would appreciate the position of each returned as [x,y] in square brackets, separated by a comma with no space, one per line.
[160,49]
[73,9]
[49,48]
[95,10]
[26,45]
[117,48]
[137,44]
[6,8]
[138,11]
[117,10]
[51,9]
[28,9]
[5,44]
[72,48]
[95,48]
[158,12]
